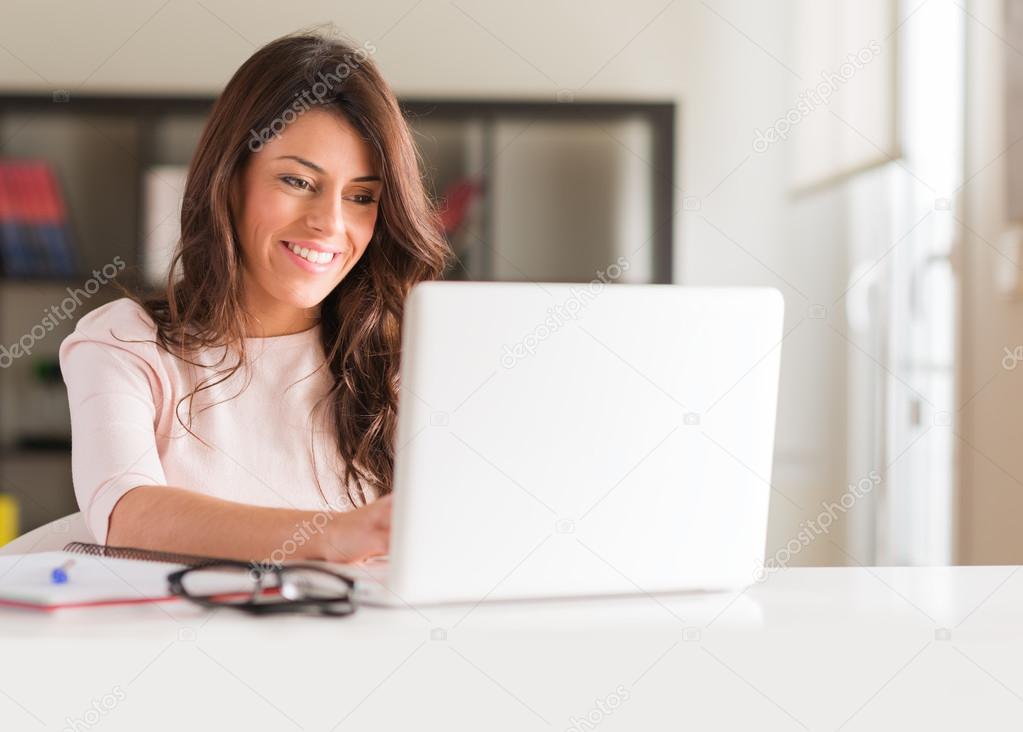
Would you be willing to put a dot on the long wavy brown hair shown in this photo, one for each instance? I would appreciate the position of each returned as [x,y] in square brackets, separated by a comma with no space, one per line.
[360,319]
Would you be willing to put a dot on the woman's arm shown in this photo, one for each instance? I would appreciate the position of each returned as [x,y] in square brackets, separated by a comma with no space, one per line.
[116,387]
[172,519]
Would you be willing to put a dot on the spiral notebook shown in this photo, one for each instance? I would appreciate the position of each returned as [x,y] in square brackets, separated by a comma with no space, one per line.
[99,576]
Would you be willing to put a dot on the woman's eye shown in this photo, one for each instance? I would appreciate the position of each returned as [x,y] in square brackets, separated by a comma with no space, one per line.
[294,182]
[363,199]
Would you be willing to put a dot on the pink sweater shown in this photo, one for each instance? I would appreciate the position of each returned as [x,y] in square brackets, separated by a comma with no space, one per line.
[124,432]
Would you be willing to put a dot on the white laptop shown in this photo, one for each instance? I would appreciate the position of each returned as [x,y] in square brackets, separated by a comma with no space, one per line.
[561,440]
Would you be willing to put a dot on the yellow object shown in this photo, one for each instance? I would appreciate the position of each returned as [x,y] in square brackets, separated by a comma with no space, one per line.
[8,518]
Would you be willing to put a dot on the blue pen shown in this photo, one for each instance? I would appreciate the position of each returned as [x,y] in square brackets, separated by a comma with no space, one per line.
[59,574]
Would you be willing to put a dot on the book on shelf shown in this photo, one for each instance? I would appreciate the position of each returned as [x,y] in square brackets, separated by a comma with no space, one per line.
[35,236]
[457,202]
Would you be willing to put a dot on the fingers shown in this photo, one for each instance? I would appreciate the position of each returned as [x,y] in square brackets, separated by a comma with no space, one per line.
[362,533]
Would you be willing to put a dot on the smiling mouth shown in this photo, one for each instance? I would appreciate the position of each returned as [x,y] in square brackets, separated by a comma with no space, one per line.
[310,255]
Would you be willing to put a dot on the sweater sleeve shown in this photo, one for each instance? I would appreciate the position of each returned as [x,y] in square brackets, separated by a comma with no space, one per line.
[113,394]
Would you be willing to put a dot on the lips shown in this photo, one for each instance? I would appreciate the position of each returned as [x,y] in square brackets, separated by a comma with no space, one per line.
[312,245]
[315,261]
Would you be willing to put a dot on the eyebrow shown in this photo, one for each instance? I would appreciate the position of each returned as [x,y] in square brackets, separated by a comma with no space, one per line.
[319,169]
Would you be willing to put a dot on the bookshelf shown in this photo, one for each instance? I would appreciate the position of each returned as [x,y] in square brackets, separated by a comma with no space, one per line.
[539,191]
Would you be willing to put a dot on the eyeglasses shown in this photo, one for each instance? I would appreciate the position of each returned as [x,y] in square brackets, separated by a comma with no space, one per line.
[261,589]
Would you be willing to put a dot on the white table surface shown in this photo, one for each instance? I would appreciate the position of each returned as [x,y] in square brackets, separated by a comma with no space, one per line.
[818,649]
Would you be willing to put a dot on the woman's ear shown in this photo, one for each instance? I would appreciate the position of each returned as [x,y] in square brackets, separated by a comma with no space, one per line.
[235,197]
[237,187]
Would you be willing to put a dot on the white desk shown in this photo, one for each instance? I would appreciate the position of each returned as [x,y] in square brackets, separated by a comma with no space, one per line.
[819,649]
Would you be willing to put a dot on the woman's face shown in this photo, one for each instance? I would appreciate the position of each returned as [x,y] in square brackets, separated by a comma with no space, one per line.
[305,211]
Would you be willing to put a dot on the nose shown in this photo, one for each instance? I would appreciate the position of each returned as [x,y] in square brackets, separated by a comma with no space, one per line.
[326,215]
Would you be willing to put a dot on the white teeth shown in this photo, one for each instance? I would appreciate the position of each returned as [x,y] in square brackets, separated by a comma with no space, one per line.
[311,255]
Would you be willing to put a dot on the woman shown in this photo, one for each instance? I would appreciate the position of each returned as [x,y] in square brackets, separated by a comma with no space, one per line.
[249,411]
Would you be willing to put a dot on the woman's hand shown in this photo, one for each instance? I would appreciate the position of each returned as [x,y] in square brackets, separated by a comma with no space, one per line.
[352,536]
